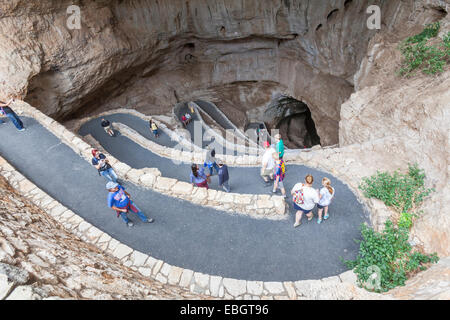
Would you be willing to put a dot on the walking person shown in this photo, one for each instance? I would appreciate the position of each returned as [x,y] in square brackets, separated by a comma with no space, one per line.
[107,126]
[154,128]
[305,198]
[5,110]
[267,164]
[100,162]
[326,194]
[120,201]
[188,118]
[210,160]
[198,177]
[184,120]
[279,175]
[279,145]
[224,177]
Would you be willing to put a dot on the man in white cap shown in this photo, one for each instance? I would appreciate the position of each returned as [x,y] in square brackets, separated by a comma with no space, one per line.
[120,201]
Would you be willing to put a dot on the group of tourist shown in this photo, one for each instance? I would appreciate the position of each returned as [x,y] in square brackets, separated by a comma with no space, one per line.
[201,179]
[273,173]
[305,197]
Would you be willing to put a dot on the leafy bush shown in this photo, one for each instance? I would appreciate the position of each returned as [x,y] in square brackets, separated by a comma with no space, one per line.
[388,254]
[392,255]
[401,191]
[419,55]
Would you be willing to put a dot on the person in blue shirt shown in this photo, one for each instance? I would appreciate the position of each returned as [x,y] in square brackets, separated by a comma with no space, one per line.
[198,177]
[120,201]
[224,177]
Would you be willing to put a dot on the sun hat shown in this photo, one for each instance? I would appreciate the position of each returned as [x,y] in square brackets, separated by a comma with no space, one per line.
[111,185]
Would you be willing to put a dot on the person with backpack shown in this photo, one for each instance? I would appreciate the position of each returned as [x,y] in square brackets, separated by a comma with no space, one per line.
[305,198]
[120,201]
[198,177]
[5,110]
[210,160]
[223,177]
[100,162]
[154,128]
[279,175]
[326,194]
[106,125]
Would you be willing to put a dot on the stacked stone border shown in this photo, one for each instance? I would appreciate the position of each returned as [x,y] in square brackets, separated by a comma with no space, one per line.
[324,159]
[238,133]
[257,206]
[342,286]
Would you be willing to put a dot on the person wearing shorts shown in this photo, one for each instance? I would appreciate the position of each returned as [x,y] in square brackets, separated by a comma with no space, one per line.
[268,163]
[279,175]
[106,125]
[307,201]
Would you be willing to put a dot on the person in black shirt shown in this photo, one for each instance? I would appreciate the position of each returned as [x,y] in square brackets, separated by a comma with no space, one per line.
[107,127]
[5,110]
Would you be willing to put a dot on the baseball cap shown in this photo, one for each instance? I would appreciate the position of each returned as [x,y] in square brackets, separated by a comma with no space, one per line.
[111,185]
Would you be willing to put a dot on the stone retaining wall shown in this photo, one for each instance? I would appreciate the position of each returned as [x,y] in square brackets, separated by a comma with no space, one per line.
[272,207]
[336,287]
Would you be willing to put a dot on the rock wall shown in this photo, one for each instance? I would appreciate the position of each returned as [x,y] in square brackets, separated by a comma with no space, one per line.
[39,259]
[156,53]
[407,121]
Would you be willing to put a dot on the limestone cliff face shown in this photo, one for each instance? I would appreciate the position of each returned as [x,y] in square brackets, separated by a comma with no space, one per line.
[169,50]
[407,121]
[39,259]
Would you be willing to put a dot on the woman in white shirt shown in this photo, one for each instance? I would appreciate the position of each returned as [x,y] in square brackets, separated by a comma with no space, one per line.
[305,198]
[326,194]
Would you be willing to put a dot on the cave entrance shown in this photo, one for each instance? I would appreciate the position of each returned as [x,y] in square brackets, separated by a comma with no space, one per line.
[295,123]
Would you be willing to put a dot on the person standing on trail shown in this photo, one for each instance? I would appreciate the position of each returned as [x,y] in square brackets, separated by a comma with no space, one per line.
[100,162]
[223,177]
[326,194]
[5,110]
[279,145]
[154,128]
[188,118]
[268,163]
[305,198]
[106,125]
[184,120]
[210,160]
[198,177]
[120,201]
[191,107]
[279,175]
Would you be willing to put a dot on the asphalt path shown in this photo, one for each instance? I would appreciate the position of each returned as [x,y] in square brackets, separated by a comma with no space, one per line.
[183,234]
[242,179]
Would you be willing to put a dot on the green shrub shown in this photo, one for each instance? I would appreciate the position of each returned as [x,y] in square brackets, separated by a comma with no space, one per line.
[388,253]
[418,55]
[392,255]
[401,191]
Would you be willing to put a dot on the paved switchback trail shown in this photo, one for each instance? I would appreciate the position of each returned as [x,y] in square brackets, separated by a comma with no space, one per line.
[184,234]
